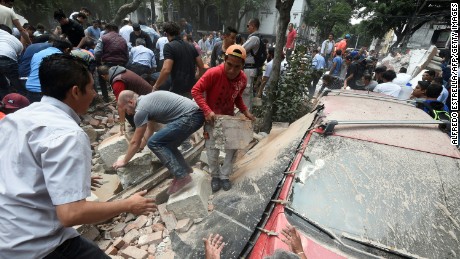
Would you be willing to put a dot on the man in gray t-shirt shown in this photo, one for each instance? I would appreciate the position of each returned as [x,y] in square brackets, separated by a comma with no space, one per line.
[182,117]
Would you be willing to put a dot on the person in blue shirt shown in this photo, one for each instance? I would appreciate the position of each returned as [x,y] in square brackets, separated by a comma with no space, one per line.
[336,66]
[94,31]
[33,86]
[318,65]
[26,58]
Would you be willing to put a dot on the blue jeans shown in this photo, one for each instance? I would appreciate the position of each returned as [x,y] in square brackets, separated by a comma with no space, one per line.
[77,247]
[9,70]
[164,143]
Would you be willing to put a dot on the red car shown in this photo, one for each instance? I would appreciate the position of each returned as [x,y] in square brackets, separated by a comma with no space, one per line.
[374,177]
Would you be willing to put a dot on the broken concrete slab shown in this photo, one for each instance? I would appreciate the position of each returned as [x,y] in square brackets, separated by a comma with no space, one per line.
[104,244]
[111,185]
[168,217]
[166,255]
[192,200]
[138,167]
[184,225]
[134,252]
[232,132]
[88,231]
[111,149]
[152,238]
[131,236]
[118,230]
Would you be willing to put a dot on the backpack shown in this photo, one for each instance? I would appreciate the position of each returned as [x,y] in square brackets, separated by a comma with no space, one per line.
[261,55]
[437,112]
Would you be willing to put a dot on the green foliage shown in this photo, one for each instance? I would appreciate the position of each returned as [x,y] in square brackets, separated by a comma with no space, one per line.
[329,16]
[291,95]
[41,11]
[402,16]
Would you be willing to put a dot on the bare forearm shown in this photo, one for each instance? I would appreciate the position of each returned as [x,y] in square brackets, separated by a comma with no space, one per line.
[132,150]
[89,212]
[25,36]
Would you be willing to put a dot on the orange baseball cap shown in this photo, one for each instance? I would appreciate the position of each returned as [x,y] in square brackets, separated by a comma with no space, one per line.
[237,51]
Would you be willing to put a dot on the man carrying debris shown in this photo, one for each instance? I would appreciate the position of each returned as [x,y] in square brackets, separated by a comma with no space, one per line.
[182,118]
[223,86]
[45,174]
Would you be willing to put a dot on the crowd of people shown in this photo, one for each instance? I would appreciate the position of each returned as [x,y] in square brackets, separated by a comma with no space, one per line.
[48,78]
[342,68]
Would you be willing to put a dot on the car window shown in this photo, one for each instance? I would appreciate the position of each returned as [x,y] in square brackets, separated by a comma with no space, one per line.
[400,198]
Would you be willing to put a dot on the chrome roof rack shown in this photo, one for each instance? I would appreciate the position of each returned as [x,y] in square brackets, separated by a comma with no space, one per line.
[329,126]
[365,95]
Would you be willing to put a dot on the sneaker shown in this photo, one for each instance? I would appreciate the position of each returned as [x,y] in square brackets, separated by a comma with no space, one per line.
[226,185]
[215,184]
[178,184]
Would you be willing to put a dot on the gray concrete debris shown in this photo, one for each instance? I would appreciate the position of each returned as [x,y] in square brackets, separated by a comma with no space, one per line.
[88,231]
[141,165]
[111,149]
[184,225]
[192,200]
[168,217]
[232,132]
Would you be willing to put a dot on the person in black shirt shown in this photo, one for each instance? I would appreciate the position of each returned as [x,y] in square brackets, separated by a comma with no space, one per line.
[138,33]
[354,75]
[180,60]
[72,29]
[218,52]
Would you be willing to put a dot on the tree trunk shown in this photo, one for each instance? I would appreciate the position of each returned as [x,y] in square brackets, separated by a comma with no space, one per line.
[153,13]
[125,10]
[284,8]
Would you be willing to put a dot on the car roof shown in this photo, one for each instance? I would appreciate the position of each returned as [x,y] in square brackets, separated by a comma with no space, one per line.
[360,105]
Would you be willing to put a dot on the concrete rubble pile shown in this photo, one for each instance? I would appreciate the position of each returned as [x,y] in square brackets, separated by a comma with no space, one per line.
[147,236]
[416,62]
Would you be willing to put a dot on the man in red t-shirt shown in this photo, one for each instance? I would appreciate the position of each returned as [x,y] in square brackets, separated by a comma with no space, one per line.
[290,42]
[223,86]
[342,44]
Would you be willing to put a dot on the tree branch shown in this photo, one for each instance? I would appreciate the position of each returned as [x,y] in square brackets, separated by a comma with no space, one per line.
[125,10]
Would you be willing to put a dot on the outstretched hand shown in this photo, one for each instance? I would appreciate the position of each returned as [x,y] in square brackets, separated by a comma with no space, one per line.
[292,239]
[139,205]
[213,246]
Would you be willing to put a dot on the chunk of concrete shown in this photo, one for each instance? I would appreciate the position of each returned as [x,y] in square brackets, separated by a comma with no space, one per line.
[153,238]
[168,217]
[131,236]
[111,185]
[111,149]
[184,225]
[138,167]
[134,252]
[192,200]
[89,232]
[232,132]
[118,230]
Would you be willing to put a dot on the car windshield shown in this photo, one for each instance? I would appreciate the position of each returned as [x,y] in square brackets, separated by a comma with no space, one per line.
[403,199]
